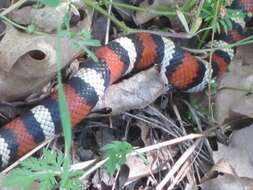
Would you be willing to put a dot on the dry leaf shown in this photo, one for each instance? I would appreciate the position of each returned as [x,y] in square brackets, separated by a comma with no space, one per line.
[133,93]
[236,87]
[28,65]
[228,182]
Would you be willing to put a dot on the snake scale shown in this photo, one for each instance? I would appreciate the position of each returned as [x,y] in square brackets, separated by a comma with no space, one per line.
[137,51]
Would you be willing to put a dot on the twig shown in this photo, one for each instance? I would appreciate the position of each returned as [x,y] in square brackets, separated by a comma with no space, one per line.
[95,6]
[179,118]
[143,9]
[172,34]
[245,41]
[108,25]
[13,7]
[247,90]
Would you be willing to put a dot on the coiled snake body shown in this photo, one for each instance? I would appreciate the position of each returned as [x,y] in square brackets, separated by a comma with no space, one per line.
[133,52]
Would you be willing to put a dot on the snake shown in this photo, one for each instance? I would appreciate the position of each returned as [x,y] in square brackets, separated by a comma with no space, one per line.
[134,52]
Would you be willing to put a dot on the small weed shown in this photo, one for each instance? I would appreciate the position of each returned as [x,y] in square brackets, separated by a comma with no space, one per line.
[47,171]
[50,3]
[224,14]
[116,153]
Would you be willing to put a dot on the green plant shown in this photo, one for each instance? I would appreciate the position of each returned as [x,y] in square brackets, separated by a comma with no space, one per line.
[215,14]
[116,153]
[224,17]
[81,41]
[50,3]
[48,171]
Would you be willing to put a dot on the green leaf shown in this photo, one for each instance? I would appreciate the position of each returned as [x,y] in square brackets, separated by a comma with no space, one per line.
[188,5]
[50,3]
[236,13]
[76,46]
[217,27]
[224,26]
[205,12]
[66,20]
[196,25]
[183,21]
[85,34]
[90,53]
[116,153]
[214,86]
[90,42]
[67,34]
[44,171]
[64,111]
[228,23]
[73,182]
[20,178]
[31,28]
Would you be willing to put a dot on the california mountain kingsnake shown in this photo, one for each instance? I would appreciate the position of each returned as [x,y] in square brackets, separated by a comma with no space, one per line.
[133,52]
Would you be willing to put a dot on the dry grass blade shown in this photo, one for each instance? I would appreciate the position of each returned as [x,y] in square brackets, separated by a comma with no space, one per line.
[83,165]
[166,143]
[181,174]
[13,7]
[196,118]
[178,164]
[96,166]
